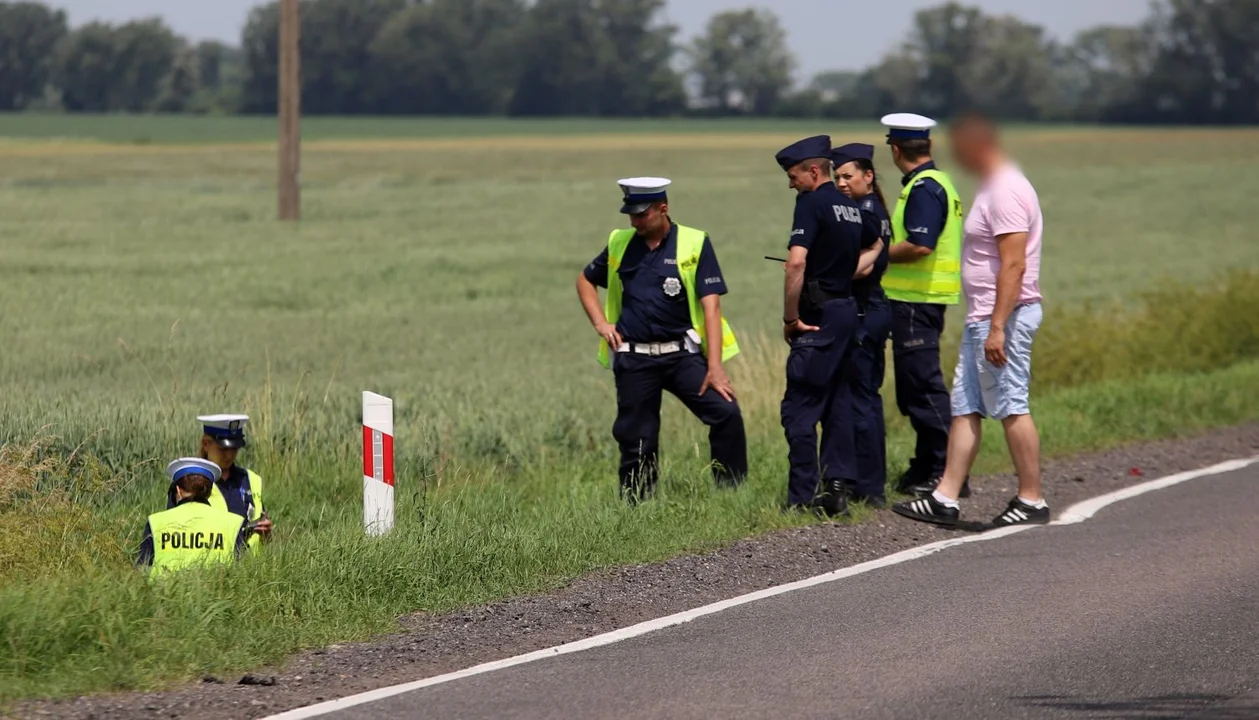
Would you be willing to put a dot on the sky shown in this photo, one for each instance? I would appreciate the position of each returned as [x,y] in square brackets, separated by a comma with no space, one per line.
[824,34]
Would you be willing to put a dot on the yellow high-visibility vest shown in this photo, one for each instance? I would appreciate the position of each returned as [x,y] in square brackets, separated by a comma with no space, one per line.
[192,534]
[690,243]
[255,486]
[935,278]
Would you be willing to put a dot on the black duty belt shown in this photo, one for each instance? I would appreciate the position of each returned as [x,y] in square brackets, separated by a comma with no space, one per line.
[819,297]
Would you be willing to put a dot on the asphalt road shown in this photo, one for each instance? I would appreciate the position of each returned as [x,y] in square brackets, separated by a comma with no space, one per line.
[1148,610]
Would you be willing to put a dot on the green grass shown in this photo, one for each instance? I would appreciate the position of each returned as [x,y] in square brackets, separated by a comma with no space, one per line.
[144,287]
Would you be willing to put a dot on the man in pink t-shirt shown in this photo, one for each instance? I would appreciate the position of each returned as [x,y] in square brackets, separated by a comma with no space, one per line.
[1001,280]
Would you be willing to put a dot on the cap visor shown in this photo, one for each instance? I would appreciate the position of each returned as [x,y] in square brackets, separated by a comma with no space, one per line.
[230,443]
[634,209]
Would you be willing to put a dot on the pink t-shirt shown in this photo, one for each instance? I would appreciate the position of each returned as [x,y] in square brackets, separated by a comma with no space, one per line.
[1006,203]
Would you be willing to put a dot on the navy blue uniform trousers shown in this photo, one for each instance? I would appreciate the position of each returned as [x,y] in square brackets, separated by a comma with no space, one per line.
[866,374]
[818,393]
[920,391]
[640,382]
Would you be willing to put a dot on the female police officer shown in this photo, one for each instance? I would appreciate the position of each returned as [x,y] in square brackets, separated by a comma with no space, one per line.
[192,532]
[855,177]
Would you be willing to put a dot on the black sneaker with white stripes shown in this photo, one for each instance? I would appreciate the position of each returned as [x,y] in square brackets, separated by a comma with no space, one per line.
[1020,513]
[928,509]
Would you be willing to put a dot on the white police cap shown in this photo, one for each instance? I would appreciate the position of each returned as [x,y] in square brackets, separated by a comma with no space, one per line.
[640,192]
[228,430]
[908,126]
[184,467]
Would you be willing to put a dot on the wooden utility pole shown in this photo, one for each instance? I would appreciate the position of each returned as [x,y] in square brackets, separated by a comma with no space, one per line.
[290,111]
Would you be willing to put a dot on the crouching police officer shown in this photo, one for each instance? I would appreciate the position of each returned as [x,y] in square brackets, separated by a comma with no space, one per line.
[820,324]
[192,532]
[661,328]
[238,490]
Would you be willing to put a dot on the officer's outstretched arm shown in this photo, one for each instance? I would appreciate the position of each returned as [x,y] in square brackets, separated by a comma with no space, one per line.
[865,264]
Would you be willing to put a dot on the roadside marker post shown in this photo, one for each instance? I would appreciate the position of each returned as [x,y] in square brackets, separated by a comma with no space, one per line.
[377,464]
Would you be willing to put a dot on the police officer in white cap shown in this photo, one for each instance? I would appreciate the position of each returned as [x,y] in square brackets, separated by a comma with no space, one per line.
[660,328]
[238,490]
[192,532]
[923,278]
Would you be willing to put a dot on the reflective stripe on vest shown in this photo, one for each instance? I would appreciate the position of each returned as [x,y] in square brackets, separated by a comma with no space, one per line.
[255,488]
[935,278]
[690,243]
[192,534]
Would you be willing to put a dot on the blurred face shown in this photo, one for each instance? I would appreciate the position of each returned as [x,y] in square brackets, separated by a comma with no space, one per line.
[223,457]
[853,181]
[652,221]
[804,177]
[968,149]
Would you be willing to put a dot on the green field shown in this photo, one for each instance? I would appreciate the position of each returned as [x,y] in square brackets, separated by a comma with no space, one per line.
[144,281]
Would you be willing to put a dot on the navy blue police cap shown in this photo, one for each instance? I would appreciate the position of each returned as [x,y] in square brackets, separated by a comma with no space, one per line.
[908,126]
[818,146]
[852,151]
[227,430]
[639,193]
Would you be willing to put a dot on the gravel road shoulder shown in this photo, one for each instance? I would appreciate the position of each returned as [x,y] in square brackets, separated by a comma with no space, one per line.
[606,601]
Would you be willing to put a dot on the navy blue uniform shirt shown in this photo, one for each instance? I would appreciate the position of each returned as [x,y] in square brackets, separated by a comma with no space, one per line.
[831,226]
[926,208]
[872,284]
[654,307]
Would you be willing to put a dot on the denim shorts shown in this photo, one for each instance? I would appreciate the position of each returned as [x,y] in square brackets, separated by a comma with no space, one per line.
[979,387]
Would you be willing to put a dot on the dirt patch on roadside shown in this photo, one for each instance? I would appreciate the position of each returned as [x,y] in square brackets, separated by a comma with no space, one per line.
[603,602]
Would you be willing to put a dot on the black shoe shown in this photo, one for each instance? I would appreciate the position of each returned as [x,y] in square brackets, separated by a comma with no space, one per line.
[928,509]
[907,480]
[878,502]
[832,501]
[1020,513]
[926,488]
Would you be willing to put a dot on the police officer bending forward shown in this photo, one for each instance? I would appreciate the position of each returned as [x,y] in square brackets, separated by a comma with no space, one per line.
[192,532]
[661,328]
[820,322]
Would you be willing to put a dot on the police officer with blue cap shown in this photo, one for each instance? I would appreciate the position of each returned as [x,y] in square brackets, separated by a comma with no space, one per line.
[820,323]
[923,279]
[856,178]
[192,532]
[237,490]
[661,328]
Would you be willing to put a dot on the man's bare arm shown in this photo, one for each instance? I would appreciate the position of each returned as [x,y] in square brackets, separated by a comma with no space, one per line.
[794,282]
[1013,251]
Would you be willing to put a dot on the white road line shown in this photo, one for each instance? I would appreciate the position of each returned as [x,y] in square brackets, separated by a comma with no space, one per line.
[1075,514]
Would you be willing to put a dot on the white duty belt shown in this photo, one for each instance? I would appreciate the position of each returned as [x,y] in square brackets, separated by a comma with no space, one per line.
[666,348]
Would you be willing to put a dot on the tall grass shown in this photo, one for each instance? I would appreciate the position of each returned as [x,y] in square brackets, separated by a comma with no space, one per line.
[474,524]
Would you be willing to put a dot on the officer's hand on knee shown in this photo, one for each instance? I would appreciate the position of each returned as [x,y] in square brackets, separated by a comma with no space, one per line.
[717,380]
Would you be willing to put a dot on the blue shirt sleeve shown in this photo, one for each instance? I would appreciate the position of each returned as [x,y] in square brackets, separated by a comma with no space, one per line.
[144,557]
[805,226]
[926,210]
[708,275]
[597,271]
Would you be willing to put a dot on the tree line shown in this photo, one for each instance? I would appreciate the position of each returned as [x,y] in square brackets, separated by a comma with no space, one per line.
[1190,61]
